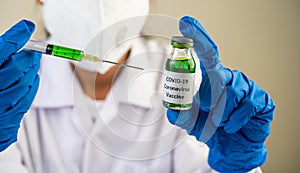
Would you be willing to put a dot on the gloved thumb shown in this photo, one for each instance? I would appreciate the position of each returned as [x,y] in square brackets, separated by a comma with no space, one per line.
[15,38]
[185,119]
[204,46]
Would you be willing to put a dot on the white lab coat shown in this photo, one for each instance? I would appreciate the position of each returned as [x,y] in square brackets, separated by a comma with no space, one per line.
[64,131]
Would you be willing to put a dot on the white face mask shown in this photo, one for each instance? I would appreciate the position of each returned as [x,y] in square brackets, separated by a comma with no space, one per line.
[96,26]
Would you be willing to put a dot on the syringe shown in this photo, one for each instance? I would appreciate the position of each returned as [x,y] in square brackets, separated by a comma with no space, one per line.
[68,53]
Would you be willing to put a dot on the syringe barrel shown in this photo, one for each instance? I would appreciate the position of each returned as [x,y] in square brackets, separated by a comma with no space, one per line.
[36,46]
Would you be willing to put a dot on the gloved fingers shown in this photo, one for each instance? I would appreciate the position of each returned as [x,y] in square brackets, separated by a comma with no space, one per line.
[240,116]
[25,102]
[15,38]
[10,120]
[8,130]
[8,139]
[204,46]
[22,106]
[220,118]
[218,95]
[185,119]
[264,104]
[237,89]
[204,129]
[257,106]
[230,152]
[207,51]
[14,93]
[172,116]
[16,67]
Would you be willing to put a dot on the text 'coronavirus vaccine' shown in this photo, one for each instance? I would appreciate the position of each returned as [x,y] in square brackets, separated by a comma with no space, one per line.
[179,75]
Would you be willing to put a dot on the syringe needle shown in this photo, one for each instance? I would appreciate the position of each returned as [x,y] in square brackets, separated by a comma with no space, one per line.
[92,58]
[125,65]
[68,53]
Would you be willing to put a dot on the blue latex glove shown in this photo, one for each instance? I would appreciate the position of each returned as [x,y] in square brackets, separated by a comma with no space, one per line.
[230,113]
[18,80]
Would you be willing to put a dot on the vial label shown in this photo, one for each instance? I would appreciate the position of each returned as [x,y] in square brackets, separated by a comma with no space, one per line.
[178,87]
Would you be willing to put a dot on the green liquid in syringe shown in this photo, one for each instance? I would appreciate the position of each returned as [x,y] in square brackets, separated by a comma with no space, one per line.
[68,53]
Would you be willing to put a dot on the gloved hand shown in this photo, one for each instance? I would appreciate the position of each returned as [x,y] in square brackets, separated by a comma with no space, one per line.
[230,113]
[18,80]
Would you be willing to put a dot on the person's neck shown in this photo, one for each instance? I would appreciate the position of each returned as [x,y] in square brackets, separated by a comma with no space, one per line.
[96,85]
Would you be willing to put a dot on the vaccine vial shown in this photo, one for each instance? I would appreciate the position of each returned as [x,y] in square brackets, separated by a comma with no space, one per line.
[179,75]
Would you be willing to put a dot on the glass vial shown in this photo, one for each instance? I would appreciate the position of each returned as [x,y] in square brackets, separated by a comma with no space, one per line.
[179,75]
